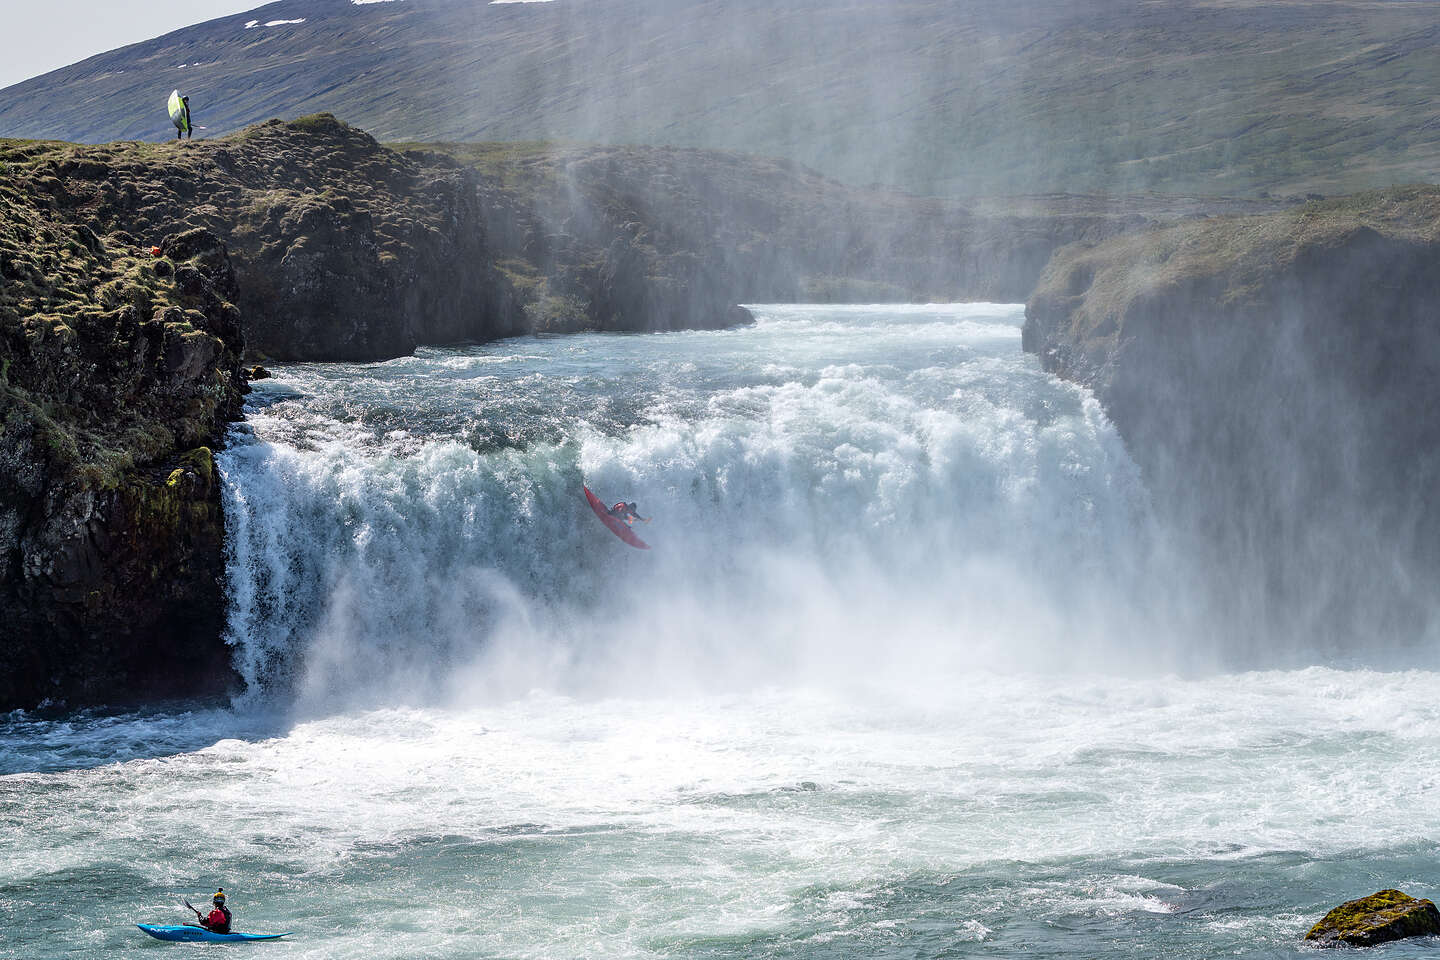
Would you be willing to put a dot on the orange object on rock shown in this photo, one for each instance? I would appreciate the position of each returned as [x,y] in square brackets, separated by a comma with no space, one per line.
[154,251]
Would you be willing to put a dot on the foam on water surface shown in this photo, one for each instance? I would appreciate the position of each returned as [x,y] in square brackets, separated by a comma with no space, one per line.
[908,674]
[1218,812]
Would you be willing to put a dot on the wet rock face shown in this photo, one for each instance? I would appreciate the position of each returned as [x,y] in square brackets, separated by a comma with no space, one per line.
[120,596]
[659,238]
[117,375]
[1378,918]
[1276,379]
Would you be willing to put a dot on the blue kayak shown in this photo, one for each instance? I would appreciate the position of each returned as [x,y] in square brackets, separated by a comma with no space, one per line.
[190,933]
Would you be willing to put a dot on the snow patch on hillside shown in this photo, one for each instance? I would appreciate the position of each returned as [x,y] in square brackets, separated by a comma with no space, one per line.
[271,23]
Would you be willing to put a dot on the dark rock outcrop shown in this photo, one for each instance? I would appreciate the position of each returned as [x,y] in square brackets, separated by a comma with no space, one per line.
[1378,918]
[344,249]
[118,373]
[1278,380]
[658,238]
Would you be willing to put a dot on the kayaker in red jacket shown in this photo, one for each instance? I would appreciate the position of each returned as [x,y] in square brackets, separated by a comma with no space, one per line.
[218,920]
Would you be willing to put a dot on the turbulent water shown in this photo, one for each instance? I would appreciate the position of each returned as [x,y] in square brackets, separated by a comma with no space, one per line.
[910,671]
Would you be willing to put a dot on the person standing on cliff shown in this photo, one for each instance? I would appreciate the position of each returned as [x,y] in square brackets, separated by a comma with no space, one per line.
[179,109]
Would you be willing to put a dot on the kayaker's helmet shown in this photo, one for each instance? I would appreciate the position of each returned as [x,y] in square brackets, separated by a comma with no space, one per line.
[219,898]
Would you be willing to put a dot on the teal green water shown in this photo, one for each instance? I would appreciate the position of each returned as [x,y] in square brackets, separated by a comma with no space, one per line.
[905,675]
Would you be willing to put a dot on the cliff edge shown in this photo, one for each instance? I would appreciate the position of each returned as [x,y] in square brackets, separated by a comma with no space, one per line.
[1277,378]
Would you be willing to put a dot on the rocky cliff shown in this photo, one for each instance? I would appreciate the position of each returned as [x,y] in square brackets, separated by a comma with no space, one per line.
[344,249]
[341,249]
[118,372]
[127,267]
[613,225]
[1278,379]
[643,238]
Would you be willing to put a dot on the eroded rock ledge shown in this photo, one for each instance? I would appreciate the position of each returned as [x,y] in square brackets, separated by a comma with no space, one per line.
[1278,380]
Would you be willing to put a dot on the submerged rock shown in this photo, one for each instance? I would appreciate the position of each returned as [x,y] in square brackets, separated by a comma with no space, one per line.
[1378,918]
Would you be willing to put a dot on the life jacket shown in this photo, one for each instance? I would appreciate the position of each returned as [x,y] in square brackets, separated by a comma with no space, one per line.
[219,920]
[620,509]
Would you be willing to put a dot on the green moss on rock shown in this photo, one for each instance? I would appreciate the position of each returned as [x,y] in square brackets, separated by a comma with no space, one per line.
[200,462]
[1378,918]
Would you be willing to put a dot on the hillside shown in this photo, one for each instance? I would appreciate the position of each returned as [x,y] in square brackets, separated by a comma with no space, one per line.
[1231,97]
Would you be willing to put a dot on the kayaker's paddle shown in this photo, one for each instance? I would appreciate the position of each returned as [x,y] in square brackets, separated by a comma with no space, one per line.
[198,914]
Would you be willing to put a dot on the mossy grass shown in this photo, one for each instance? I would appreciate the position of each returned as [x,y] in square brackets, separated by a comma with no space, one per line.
[509,165]
[72,301]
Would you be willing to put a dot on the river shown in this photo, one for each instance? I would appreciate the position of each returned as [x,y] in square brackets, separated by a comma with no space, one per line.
[911,670]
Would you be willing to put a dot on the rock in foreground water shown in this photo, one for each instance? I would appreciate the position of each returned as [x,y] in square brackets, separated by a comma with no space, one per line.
[1378,918]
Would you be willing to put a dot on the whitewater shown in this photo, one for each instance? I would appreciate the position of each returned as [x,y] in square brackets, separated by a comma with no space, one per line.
[912,670]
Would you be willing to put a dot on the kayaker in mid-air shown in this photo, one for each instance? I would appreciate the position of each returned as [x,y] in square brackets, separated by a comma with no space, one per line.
[219,919]
[629,512]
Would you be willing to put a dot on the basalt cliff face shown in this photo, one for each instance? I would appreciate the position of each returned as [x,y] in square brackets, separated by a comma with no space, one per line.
[598,237]
[662,233]
[1278,379]
[118,373]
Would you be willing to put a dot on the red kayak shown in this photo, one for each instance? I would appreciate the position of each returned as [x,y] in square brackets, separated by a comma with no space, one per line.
[617,526]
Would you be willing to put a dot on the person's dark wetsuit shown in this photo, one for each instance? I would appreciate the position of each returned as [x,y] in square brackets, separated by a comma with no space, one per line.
[218,920]
[629,512]
[189,129]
